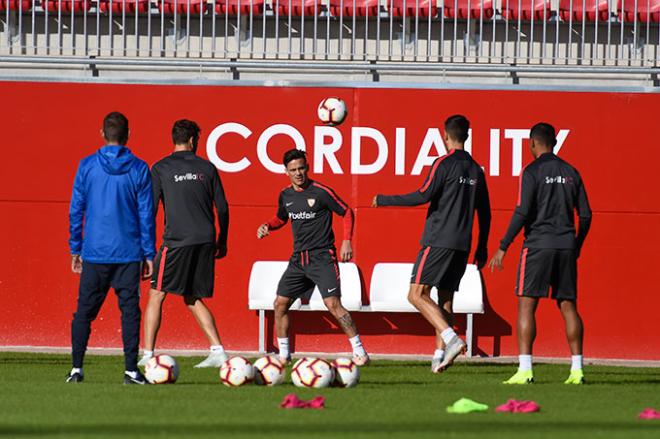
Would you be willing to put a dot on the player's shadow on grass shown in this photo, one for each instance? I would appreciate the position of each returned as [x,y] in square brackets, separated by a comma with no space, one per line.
[489,325]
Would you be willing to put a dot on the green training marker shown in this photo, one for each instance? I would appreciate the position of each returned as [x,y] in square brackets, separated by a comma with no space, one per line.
[465,405]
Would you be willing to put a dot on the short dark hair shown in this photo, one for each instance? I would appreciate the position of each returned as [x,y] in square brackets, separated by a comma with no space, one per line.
[294,154]
[543,133]
[457,127]
[184,129]
[115,128]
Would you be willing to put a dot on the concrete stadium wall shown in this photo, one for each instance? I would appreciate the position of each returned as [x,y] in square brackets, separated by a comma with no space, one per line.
[609,137]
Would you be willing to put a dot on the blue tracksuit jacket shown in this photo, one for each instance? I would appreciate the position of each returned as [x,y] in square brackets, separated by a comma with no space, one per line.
[111,215]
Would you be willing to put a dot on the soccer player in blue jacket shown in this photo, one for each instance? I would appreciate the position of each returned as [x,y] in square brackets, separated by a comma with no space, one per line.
[111,240]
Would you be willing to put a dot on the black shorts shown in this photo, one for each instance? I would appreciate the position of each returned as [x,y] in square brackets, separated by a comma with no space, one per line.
[187,271]
[309,268]
[439,267]
[541,269]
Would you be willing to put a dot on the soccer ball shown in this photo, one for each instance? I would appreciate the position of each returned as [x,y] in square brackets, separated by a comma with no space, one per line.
[347,374]
[332,111]
[312,372]
[236,371]
[161,369]
[268,371]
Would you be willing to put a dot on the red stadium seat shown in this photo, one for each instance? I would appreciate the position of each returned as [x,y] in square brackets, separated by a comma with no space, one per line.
[242,7]
[130,6]
[357,8]
[399,8]
[16,5]
[525,9]
[298,7]
[66,5]
[466,9]
[589,9]
[181,6]
[647,10]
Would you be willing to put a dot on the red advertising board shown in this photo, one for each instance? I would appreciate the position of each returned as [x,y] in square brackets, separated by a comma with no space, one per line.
[386,145]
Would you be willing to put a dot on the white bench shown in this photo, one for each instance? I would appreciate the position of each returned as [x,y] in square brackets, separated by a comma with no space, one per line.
[388,292]
[390,282]
[265,276]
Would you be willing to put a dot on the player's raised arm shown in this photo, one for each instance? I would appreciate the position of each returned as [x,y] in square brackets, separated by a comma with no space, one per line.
[423,195]
[484,216]
[222,210]
[275,222]
[584,216]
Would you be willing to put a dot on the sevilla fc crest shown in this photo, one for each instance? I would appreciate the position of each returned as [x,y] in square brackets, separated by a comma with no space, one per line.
[311,202]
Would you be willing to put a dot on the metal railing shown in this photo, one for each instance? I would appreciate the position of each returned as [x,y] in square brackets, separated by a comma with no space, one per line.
[510,32]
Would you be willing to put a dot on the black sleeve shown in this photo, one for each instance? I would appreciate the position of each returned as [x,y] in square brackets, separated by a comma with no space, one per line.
[333,202]
[431,186]
[584,214]
[222,209]
[526,196]
[483,212]
[281,210]
[157,188]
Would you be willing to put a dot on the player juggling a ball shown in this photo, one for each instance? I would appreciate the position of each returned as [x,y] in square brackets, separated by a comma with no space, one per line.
[310,205]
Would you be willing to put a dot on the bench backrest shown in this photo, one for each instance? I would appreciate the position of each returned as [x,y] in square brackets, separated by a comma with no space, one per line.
[390,283]
[351,289]
[265,276]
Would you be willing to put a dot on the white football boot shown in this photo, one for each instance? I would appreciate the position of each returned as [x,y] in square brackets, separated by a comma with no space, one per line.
[215,359]
[454,348]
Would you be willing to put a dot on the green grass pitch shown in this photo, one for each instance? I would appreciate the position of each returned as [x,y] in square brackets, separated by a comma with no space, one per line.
[394,399]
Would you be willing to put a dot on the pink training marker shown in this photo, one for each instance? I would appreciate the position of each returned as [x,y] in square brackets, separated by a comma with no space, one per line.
[514,406]
[316,403]
[291,401]
[649,413]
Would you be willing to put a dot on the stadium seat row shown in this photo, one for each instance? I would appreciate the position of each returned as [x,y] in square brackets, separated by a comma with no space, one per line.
[576,10]
[387,292]
[230,7]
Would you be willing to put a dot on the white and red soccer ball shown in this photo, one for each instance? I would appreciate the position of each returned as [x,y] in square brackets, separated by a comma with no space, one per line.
[161,369]
[312,372]
[332,111]
[236,371]
[347,373]
[269,371]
